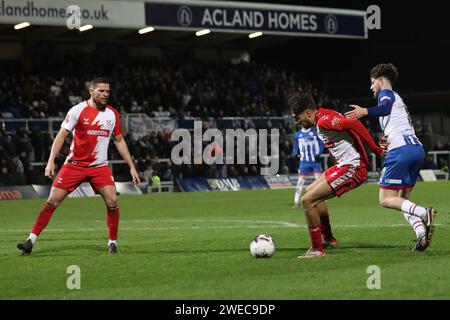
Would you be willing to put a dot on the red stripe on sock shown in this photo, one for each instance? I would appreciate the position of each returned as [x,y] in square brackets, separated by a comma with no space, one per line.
[417,223]
[413,209]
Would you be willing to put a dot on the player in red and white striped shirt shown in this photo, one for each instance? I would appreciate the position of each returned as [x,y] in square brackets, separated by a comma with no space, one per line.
[92,123]
[344,138]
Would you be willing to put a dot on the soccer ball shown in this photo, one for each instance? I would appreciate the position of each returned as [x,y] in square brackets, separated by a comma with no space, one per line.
[262,246]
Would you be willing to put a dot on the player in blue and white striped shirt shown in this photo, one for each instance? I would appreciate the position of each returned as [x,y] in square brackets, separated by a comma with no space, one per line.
[405,155]
[308,147]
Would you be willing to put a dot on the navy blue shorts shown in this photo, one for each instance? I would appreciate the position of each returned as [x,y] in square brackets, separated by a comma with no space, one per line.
[307,168]
[401,167]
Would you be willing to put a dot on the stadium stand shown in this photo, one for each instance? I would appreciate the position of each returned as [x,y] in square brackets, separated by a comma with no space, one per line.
[154,87]
[253,94]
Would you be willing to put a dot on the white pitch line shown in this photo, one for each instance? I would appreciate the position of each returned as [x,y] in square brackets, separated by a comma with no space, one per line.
[285,223]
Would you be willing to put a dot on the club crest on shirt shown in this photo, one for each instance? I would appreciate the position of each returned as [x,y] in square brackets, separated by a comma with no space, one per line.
[335,121]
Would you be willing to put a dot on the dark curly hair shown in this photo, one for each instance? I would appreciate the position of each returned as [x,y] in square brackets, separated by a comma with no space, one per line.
[298,102]
[387,70]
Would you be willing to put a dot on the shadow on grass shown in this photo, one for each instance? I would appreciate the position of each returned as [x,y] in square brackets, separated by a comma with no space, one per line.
[64,251]
[279,250]
[71,249]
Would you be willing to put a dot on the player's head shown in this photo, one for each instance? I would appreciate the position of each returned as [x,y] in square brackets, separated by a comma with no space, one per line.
[99,90]
[383,76]
[303,109]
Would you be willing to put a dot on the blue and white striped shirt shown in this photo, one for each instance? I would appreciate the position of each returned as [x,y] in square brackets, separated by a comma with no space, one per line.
[308,144]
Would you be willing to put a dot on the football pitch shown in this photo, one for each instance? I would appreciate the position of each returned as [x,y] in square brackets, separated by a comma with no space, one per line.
[196,246]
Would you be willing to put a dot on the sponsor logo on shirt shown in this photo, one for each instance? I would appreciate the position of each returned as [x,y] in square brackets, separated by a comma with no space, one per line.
[103,133]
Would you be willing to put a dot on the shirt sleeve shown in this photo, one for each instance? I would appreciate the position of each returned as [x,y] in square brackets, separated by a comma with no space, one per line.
[386,100]
[71,120]
[118,127]
[360,130]
[332,122]
[295,148]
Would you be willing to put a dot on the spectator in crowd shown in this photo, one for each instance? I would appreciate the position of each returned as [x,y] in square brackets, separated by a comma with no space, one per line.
[148,173]
[157,87]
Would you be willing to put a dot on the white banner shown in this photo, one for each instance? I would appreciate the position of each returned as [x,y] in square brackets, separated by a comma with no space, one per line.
[111,14]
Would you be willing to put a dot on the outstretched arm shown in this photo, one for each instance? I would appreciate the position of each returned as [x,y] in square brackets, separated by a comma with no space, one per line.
[122,147]
[359,129]
[384,108]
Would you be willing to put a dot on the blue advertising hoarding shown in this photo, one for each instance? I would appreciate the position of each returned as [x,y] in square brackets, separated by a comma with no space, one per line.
[250,17]
[222,184]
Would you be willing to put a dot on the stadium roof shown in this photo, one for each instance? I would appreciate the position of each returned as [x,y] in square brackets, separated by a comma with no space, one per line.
[414,37]
[231,22]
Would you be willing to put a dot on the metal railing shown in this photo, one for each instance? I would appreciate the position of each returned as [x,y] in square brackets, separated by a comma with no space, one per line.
[111,163]
[435,155]
[50,125]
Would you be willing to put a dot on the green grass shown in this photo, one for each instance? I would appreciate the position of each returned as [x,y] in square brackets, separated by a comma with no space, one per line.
[196,246]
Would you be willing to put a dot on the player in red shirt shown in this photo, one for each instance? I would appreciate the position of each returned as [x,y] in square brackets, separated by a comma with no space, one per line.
[91,123]
[344,138]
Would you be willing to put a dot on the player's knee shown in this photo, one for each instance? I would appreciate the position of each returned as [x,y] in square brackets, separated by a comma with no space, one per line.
[385,203]
[53,202]
[306,201]
[112,203]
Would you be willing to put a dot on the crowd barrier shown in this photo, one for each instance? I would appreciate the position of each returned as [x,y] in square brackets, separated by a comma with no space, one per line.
[249,182]
[42,191]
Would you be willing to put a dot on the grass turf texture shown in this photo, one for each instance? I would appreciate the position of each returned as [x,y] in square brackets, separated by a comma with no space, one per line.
[196,246]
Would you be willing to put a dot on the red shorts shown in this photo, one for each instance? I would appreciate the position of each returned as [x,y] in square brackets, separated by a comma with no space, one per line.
[345,178]
[71,176]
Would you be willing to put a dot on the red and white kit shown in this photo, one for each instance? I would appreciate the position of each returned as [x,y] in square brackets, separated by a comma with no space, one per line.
[342,137]
[88,156]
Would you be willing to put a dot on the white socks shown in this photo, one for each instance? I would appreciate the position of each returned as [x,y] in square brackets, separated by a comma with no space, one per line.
[416,223]
[414,215]
[413,209]
[112,241]
[298,190]
[33,238]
